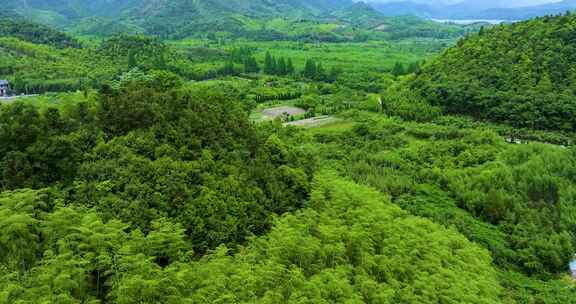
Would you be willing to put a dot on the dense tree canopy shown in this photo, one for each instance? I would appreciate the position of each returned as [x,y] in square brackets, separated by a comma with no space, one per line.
[519,74]
[170,171]
[350,245]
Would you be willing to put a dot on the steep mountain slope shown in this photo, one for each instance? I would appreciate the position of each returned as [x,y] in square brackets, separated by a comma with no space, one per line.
[522,74]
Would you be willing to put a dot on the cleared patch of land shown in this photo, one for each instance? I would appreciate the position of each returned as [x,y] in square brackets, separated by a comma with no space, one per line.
[313,122]
[12,98]
[273,113]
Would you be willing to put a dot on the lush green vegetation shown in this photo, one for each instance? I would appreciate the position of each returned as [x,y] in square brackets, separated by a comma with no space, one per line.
[33,32]
[169,171]
[519,74]
[261,20]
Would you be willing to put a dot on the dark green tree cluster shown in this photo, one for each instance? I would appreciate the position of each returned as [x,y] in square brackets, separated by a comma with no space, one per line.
[251,65]
[35,33]
[240,54]
[244,56]
[280,66]
[399,69]
[351,246]
[136,51]
[227,69]
[315,71]
[520,74]
[143,151]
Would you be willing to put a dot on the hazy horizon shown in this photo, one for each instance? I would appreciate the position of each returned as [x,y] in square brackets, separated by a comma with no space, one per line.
[502,3]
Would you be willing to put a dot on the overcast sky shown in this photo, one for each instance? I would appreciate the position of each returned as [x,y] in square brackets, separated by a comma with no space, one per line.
[506,3]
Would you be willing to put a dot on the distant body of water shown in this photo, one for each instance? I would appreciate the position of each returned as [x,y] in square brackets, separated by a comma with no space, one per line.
[472,21]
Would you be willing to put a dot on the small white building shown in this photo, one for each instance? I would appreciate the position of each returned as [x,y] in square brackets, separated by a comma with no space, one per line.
[4,87]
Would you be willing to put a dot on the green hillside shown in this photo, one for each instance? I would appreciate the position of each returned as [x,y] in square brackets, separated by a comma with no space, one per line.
[521,74]
[283,152]
[35,33]
[338,20]
[150,13]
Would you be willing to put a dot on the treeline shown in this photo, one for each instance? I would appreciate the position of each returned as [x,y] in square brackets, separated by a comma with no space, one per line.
[400,69]
[279,66]
[519,74]
[35,68]
[35,33]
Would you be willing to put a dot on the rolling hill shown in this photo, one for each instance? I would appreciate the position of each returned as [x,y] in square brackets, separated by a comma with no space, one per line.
[521,74]
[176,19]
[62,12]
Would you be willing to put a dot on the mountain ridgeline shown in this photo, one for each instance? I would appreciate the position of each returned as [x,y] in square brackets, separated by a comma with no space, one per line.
[472,9]
[520,74]
[318,20]
[164,17]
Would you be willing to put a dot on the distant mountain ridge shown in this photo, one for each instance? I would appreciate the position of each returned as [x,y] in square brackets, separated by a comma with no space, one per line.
[75,9]
[472,10]
[163,16]
[307,20]
[359,14]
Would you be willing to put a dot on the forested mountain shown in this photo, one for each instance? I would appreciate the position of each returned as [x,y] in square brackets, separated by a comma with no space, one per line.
[164,16]
[84,8]
[521,74]
[329,20]
[471,9]
[360,14]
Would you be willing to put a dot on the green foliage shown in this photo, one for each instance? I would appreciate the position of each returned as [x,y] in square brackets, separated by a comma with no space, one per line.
[35,33]
[136,51]
[398,101]
[512,199]
[156,189]
[518,74]
[351,245]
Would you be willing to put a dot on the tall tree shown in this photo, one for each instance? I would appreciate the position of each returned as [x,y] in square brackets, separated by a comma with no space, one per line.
[320,72]
[398,69]
[310,69]
[250,65]
[281,67]
[290,67]
[269,64]
[333,75]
